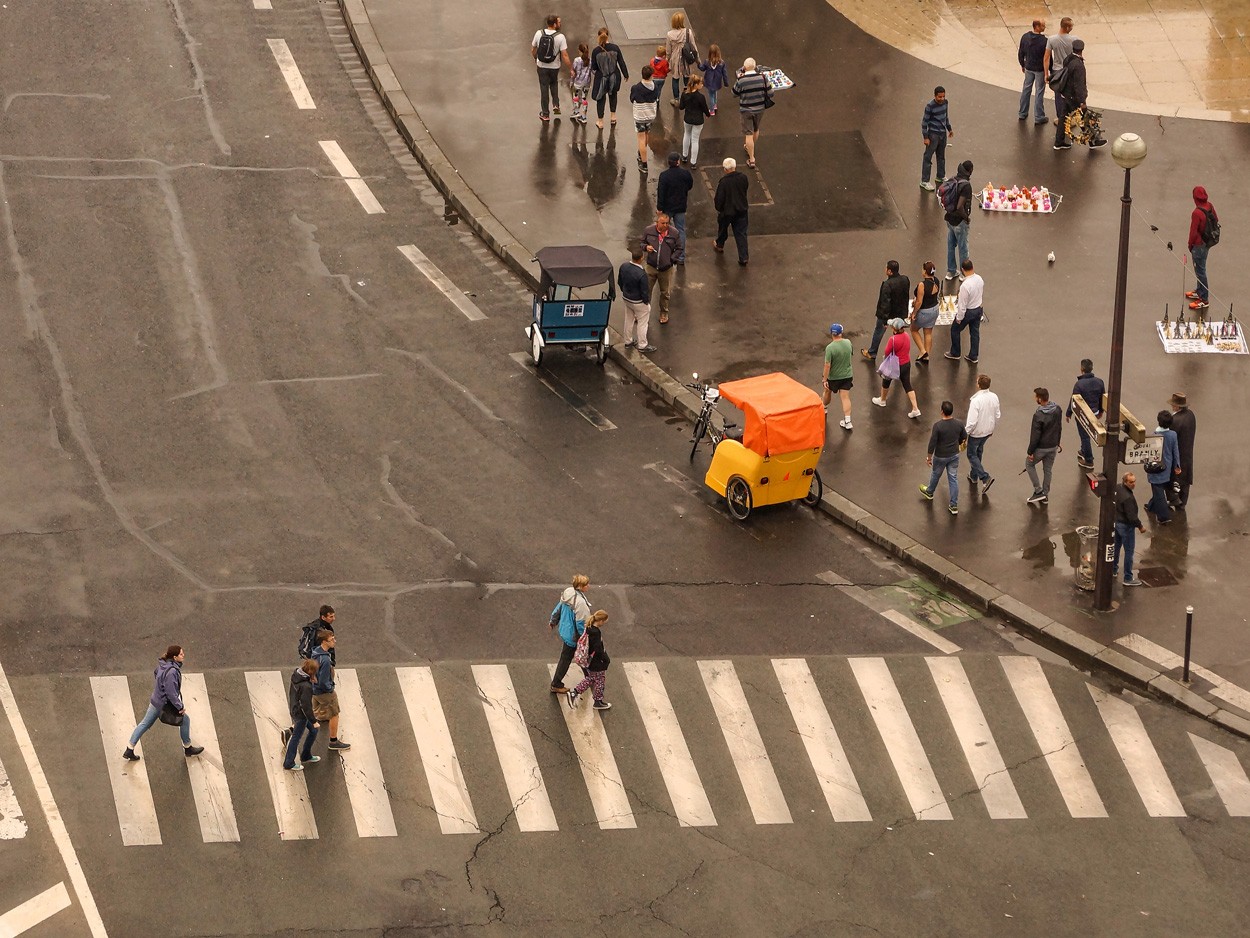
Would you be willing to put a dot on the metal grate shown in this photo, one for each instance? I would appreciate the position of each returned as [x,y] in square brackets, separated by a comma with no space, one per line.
[643,25]
[1156,576]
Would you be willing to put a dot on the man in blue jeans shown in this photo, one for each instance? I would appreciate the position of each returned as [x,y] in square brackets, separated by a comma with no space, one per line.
[984,412]
[1032,57]
[1127,524]
[947,437]
[959,218]
[935,128]
[1203,235]
[969,311]
[1091,389]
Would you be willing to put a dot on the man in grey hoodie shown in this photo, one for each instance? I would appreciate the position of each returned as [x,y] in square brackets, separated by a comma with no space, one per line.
[1044,436]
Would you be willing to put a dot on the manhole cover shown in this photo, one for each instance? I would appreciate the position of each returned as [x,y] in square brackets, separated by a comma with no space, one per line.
[1156,576]
[646,24]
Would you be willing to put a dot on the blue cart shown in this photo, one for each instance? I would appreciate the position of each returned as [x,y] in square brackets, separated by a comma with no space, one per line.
[572,308]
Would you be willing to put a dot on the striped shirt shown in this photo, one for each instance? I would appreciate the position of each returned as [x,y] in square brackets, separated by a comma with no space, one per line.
[752,91]
[645,96]
[935,119]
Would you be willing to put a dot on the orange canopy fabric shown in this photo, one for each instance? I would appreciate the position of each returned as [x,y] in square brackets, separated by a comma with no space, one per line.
[781,415]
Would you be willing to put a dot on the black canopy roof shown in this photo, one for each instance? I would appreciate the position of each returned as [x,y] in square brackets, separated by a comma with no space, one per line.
[575,265]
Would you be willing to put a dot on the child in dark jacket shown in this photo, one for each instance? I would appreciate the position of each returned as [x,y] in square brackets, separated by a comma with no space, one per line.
[597,664]
[714,75]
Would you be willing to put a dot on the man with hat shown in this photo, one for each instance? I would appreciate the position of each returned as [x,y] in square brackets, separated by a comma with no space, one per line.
[1073,90]
[1185,425]
[838,374]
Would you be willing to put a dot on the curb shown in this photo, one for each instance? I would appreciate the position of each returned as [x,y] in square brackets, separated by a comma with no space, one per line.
[984,596]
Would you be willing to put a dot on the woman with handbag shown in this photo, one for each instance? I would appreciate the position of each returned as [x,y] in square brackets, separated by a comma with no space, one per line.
[683,54]
[165,704]
[897,364]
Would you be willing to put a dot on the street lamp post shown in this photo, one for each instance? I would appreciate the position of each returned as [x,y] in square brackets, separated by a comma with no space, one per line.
[1128,151]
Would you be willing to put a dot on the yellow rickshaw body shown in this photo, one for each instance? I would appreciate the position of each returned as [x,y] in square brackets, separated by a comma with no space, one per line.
[781,477]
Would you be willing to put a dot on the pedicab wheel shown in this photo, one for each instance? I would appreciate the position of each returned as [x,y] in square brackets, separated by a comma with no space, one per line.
[700,428]
[812,498]
[536,345]
[738,497]
[601,350]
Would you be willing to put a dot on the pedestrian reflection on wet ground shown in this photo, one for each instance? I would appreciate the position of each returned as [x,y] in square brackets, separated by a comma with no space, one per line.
[605,177]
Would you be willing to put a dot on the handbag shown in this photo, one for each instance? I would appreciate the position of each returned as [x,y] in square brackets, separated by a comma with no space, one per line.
[889,367]
[1154,468]
[689,54]
[170,715]
[768,101]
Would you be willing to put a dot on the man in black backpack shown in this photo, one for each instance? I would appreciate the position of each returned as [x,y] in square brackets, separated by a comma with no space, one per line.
[308,642]
[549,48]
[1204,234]
[956,196]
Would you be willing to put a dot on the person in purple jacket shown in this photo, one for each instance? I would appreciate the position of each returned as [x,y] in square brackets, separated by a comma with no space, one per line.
[168,690]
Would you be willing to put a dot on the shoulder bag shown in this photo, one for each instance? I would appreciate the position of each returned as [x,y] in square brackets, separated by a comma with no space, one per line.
[170,715]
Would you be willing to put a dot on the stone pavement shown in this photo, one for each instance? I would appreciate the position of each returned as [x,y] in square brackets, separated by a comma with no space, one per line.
[836,195]
[1182,58]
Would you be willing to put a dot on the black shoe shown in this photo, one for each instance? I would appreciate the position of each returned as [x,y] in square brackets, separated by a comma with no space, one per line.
[129,754]
[1036,498]
[1084,463]
[190,751]
[286,737]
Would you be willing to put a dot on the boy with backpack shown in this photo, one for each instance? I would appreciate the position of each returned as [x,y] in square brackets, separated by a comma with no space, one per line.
[956,197]
[549,49]
[307,642]
[935,128]
[1204,234]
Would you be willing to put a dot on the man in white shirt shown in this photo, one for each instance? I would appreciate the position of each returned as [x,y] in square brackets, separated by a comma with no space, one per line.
[983,416]
[968,314]
[549,49]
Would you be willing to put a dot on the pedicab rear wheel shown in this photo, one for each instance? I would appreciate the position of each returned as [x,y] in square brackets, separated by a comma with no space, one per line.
[812,498]
[738,497]
[601,350]
[536,345]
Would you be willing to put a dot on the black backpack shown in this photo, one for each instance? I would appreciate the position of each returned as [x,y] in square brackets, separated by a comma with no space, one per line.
[1211,231]
[308,639]
[547,46]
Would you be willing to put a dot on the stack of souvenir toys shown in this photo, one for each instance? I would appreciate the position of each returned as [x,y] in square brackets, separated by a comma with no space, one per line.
[1018,199]
[1202,335]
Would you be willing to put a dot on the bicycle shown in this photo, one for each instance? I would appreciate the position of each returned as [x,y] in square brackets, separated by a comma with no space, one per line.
[703,424]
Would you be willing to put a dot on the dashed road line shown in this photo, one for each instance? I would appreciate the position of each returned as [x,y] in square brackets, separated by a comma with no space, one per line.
[343,166]
[262,4]
[442,281]
[565,393]
[290,73]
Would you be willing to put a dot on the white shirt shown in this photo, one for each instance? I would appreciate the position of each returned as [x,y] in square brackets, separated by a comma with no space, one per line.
[971,292]
[562,46]
[983,413]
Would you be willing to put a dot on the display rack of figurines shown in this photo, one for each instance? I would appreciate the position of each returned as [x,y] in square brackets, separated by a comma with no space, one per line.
[1037,199]
[1202,335]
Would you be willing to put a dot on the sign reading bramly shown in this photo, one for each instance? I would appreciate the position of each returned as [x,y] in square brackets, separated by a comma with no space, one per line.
[1149,450]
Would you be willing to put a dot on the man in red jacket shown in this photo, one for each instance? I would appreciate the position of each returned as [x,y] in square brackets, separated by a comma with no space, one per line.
[1204,234]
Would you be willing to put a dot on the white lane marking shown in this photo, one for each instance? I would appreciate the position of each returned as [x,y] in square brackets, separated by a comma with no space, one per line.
[1227,775]
[1166,659]
[290,72]
[322,378]
[442,281]
[986,762]
[448,379]
[681,777]
[746,747]
[362,770]
[922,632]
[132,795]
[289,791]
[824,749]
[33,911]
[12,824]
[56,824]
[515,749]
[564,392]
[1041,710]
[262,4]
[207,773]
[603,779]
[345,169]
[1138,754]
[448,791]
[924,794]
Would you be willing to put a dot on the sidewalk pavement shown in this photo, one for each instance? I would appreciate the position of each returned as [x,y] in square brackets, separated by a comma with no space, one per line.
[835,196]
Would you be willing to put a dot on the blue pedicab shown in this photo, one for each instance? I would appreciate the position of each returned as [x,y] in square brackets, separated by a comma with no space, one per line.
[567,311]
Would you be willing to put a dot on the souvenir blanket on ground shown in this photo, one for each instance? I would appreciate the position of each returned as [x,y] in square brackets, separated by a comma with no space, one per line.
[1033,199]
[1192,336]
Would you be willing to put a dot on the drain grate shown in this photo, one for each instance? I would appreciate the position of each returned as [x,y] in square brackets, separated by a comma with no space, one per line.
[645,25]
[1157,576]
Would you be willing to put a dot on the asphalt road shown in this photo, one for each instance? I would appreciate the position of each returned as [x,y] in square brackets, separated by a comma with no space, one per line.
[230,397]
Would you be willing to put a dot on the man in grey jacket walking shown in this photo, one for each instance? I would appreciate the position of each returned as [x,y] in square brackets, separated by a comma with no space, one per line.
[1044,435]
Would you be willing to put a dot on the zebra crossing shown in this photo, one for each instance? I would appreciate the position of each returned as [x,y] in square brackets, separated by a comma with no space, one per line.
[884,739]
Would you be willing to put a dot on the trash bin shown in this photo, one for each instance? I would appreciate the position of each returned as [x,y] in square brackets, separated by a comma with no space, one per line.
[1088,535]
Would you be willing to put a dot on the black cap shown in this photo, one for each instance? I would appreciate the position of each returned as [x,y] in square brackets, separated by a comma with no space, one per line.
[1078,45]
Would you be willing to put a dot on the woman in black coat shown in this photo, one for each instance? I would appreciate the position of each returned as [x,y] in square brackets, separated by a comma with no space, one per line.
[608,71]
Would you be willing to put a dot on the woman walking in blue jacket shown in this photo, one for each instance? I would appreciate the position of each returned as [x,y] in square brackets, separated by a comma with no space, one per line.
[1161,481]
[168,690]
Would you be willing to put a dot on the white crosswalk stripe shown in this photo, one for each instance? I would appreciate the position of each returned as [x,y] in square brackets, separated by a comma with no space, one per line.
[671,752]
[1050,729]
[902,743]
[824,748]
[12,824]
[448,790]
[888,726]
[746,747]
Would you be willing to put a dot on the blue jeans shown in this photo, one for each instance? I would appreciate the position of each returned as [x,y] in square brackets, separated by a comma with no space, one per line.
[1199,253]
[296,733]
[1035,85]
[150,718]
[878,332]
[1126,537]
[711,100]
[956,237]
[971,322]
[949,465]
[936,144]
[1159,500]
[976,447]
[679,222]
[679,85]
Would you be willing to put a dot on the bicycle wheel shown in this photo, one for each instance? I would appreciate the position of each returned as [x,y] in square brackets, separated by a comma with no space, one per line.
[700,428]
[738,497]
[812,498]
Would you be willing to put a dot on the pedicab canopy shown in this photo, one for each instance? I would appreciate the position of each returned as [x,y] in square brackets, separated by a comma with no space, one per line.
[574,266]
[782,416]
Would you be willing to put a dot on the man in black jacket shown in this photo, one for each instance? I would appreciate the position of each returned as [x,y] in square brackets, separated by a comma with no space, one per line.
[1075,89]
[891,304]
[1032,56]
[731,210]
[958,219]
[1127,524]
[1044,437]
[1091,389]
[671,194]
[1186,426]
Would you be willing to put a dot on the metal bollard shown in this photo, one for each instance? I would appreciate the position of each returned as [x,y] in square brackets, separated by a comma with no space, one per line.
[1189,635]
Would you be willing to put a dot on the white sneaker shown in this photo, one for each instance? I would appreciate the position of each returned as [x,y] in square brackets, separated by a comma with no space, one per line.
[927,186]
[878,401]
[914,414]
[845,424]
